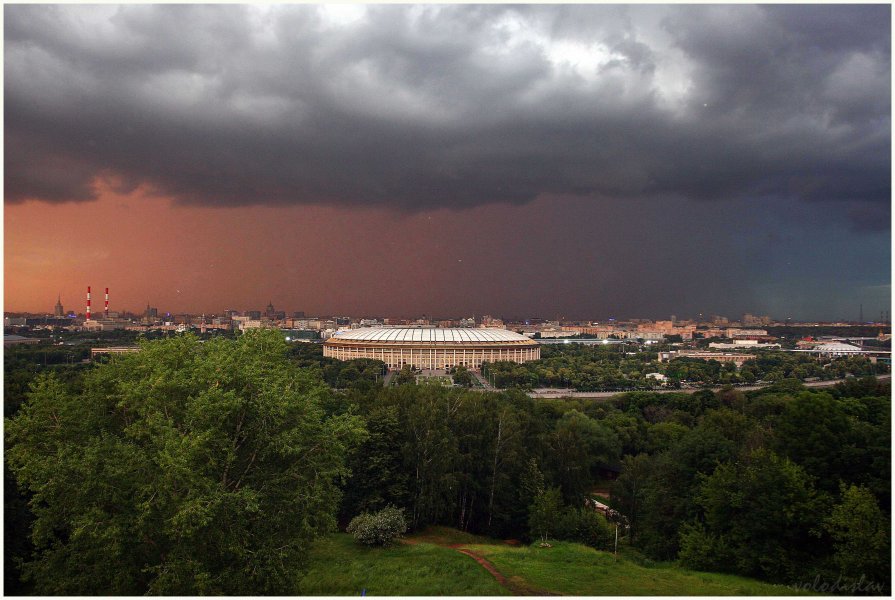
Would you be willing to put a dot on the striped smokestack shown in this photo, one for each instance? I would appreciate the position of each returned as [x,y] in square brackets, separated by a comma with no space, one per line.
[106,310]
[88,302]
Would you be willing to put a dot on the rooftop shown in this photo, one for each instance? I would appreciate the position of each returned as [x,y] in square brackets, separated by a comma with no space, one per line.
[435,335]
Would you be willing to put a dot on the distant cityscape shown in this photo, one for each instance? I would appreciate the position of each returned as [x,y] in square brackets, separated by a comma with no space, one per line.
[300,326]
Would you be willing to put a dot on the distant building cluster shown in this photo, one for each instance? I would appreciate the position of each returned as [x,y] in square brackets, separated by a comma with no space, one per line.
[723,357]
[296,325]
[635,330]
[437,343]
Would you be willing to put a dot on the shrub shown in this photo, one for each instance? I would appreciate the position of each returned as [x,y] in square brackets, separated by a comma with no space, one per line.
[594,530]
[378,529]
[584,526]
[702,551]
[565,527]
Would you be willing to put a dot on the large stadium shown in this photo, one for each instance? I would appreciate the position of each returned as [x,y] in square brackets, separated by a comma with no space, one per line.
[433,348]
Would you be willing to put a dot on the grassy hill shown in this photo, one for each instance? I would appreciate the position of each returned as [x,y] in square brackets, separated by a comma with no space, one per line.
[340,567]
[433,563]
[577,570]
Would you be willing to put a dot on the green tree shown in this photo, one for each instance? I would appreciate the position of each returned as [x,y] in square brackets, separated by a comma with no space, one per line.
[544,513]
[662,436]
[578,444]
[761,517]
[629,429]
[507,442]
[17,520]
[594,530]
[532,481]
[667,503]
[861,536]
[629,489]
[187,468]
[463,377]
[377,477]
[429,450]
[406,376]
[816,432]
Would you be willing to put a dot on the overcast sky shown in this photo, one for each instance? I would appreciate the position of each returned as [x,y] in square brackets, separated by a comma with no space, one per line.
[582,160]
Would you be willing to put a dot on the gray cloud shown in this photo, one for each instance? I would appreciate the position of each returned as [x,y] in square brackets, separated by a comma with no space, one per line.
[458,106]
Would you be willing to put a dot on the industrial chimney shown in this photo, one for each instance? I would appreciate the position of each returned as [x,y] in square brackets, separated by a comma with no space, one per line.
[106,310]
[88,302]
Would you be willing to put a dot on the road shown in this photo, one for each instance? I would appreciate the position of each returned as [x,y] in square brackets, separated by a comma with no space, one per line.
[745,388]
[485,384]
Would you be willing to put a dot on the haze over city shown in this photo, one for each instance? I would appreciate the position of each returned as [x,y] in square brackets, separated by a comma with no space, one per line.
[584,161]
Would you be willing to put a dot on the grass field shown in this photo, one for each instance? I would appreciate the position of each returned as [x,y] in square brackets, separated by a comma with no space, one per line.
[431,563]
[340,567]
[577,570]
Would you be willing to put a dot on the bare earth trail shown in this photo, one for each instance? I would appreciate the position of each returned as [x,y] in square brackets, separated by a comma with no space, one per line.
[516,585]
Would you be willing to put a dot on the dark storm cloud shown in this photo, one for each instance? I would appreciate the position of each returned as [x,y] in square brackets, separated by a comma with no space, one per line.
[415,107]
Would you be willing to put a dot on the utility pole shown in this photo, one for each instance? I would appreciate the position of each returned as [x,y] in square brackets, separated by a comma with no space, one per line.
[616,539]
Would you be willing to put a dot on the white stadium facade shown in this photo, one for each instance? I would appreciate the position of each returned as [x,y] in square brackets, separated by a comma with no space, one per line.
[432,348]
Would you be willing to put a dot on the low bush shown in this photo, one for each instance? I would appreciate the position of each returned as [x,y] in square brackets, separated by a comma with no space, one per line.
[703,551]
[584,526]
[594,530]
[378,529]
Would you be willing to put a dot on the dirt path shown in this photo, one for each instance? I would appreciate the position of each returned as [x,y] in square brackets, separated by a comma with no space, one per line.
[516,585]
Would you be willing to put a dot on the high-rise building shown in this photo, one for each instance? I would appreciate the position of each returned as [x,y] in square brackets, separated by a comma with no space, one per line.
[274,315]
[150,314]
[749,319]
[59,311]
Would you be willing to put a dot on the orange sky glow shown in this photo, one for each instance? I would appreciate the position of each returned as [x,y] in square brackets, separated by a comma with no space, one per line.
[321,260]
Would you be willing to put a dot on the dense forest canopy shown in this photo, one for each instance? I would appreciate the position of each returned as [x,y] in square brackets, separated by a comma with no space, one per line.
[126,470]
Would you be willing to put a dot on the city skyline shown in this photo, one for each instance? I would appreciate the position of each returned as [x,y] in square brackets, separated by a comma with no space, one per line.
[288,313]
[585,160]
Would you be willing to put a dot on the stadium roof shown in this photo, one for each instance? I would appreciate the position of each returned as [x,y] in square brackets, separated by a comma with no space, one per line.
[837,347]
[436,335]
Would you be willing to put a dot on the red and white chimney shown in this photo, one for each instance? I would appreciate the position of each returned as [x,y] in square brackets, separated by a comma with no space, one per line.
[106,310]
[88,302]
